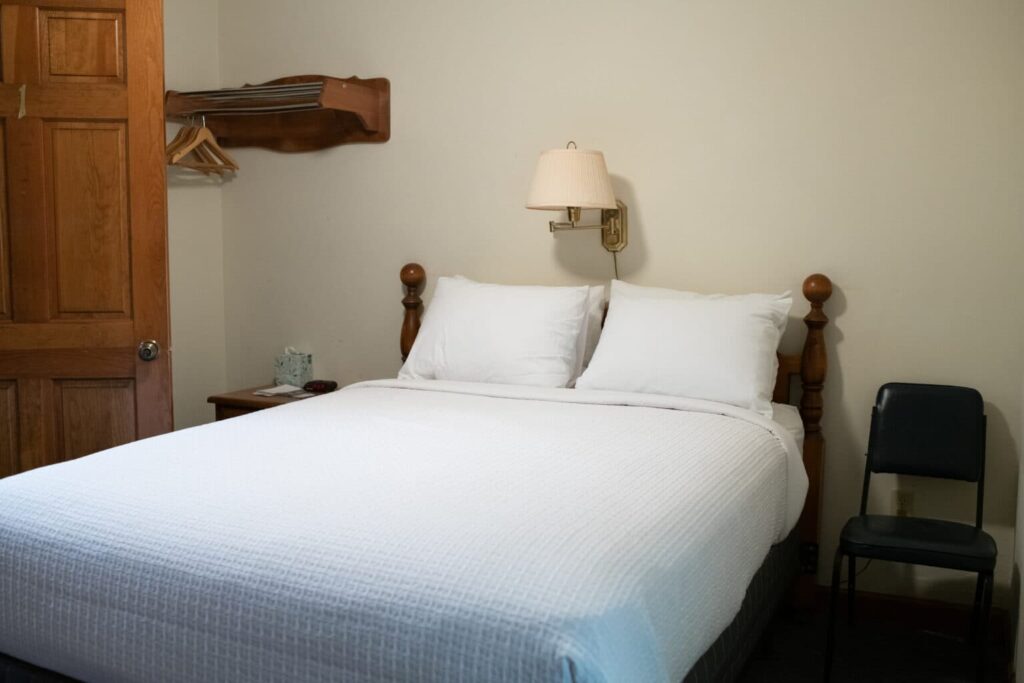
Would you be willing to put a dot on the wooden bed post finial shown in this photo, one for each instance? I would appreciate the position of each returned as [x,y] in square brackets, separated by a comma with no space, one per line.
[813,368]
[817,290]
[413,276]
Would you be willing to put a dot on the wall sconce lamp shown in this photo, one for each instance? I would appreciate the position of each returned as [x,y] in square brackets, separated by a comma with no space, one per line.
[574,179]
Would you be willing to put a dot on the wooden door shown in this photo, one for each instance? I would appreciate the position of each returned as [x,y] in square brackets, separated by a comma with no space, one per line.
[83,236]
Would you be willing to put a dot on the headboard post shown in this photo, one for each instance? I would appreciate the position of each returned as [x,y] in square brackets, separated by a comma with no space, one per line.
[813,368]
[413,276]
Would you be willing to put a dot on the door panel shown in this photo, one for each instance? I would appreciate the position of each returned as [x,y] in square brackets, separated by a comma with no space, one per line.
[5,249]
[34,400]
[83,232]
[89,256]
[82,46]
[19,44]
[40,336]
[8,428]
[93,415]
[34,363]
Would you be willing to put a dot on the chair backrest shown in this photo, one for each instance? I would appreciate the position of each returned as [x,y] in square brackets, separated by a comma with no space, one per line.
[928,430]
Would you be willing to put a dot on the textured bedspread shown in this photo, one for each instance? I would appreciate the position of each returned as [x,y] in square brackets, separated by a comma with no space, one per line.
[401,531]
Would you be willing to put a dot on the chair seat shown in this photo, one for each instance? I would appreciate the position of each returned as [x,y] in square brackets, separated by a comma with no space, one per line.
[915,540]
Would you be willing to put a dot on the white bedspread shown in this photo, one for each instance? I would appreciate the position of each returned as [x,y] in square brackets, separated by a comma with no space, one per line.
[401,531]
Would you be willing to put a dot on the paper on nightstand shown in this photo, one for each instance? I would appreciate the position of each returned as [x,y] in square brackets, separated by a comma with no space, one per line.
[284,391]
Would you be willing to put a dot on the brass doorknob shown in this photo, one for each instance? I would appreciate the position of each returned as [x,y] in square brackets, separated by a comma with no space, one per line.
[149,350]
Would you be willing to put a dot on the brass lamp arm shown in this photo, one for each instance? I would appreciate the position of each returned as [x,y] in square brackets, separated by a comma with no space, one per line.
[569,225]
[613,226]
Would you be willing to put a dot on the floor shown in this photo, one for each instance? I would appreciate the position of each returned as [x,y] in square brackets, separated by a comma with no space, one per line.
[793,651]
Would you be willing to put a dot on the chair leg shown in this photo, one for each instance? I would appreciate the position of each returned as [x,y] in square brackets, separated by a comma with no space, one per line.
[976,613]
[851,589]
[986,608]
[830,644]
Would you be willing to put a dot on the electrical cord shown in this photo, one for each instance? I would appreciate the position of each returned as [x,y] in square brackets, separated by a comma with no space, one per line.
[615,260]
[862,570]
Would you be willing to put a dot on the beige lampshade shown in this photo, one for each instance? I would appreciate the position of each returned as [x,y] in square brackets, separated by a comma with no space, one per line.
[571,177]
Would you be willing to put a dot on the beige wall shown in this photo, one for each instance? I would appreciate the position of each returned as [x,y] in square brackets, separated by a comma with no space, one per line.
[194,227]
[878,142]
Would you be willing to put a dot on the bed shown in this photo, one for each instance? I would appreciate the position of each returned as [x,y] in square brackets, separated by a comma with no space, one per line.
[422,531]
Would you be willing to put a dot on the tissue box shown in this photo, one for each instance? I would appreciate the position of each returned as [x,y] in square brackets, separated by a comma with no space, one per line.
[294,368]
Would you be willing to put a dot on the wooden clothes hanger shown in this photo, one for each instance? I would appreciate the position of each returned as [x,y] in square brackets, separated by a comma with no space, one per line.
[195,147]
[179,141]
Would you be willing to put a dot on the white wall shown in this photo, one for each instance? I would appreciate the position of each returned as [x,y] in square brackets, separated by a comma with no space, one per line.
[194,226]
[754,143]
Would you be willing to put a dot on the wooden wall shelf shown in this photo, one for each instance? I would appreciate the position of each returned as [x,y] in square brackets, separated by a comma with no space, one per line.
[294,114]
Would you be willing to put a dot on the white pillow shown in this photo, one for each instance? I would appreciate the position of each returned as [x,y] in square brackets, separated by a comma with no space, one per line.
[713,347]
[591,331]
[476,332]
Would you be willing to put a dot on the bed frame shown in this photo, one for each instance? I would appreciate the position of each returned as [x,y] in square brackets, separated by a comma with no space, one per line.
[810,365]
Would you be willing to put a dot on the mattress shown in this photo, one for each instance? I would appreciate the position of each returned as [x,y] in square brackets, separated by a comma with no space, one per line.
[789,418]
[406,531]
[727,657]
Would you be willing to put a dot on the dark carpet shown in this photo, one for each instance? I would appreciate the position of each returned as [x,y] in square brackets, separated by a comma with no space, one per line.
[793,649]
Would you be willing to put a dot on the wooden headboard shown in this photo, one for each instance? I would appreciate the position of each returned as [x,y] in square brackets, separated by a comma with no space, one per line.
[810,365]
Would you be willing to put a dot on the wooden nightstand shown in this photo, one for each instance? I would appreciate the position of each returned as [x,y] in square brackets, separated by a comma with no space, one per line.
[243,402]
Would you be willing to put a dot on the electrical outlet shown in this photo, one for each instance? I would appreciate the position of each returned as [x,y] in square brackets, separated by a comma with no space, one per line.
[903,502]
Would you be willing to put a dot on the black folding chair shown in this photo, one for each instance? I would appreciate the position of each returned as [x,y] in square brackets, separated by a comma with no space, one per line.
[929,431]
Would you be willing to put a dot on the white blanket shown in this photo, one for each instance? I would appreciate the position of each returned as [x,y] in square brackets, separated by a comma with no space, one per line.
[404,531]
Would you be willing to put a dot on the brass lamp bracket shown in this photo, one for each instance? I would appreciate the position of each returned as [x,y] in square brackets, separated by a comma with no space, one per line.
[614,226]
[614,234]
